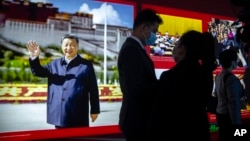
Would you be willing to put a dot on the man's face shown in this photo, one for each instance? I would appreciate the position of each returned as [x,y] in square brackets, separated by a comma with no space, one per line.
[148,29]
[69,48]
[154,28]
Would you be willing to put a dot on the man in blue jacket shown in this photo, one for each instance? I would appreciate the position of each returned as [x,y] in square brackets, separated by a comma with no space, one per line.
[72,85]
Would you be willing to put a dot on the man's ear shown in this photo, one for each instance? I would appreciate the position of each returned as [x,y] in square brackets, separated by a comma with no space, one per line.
[143,27]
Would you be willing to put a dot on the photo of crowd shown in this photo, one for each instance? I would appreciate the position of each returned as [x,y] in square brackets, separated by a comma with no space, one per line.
[225,34]
[223,31]
[164,44]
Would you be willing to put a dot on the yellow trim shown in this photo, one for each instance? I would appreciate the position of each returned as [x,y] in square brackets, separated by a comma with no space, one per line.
[175,24]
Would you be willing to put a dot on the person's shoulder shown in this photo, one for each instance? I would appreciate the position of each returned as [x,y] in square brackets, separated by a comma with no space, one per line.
[130,47]
[230,77]
[84,60]
[165,74]
[131,41]
[57,60]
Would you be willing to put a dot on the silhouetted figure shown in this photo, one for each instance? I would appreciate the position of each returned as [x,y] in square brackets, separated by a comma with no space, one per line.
[229,90]
[184,90]
[137,76]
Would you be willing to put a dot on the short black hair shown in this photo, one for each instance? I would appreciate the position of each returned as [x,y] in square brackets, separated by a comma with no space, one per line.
[69,36]
[226,57]
[147,16]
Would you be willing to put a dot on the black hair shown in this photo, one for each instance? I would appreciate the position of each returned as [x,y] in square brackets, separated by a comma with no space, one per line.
[199,46]
[147,16]
[226,57]
[191,42]
[208,51]
[70,36]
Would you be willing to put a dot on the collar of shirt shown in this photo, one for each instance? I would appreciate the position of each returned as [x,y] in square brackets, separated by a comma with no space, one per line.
[135,38]
[68,60]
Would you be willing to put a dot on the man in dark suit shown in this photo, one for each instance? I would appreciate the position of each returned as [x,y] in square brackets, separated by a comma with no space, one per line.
[137,76]
[72,85]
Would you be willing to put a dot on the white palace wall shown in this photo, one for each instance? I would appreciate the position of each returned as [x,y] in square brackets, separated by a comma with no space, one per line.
[45,34]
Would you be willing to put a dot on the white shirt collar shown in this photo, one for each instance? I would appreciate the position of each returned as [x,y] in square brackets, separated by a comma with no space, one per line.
[135,38]
[67,60]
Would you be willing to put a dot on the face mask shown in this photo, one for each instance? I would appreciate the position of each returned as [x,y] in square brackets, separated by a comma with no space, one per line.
[151,40]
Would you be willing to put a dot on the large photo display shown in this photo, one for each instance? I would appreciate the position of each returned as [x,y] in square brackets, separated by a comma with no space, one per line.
[101,28]
[46,22]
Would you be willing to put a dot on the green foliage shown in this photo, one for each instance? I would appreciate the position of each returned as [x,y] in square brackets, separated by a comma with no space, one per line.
[5,76]
[9,75]
[100,76]
[115,75]
[8,55]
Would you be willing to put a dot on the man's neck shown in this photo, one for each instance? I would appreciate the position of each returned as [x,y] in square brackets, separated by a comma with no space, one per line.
[69,59]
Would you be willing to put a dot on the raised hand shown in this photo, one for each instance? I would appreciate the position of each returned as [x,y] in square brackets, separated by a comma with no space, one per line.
[241,58]
[33,48]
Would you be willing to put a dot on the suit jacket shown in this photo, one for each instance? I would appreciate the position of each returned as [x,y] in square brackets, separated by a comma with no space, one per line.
[138,85]
[70,89]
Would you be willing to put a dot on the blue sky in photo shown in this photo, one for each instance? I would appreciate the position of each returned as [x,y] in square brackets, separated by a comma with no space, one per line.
[117,14]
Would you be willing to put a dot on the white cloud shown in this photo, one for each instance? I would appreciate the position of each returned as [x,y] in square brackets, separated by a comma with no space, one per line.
[84,8]
[99,14]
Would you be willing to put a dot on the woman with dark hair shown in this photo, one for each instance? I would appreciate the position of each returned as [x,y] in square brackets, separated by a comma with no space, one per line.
[190,84]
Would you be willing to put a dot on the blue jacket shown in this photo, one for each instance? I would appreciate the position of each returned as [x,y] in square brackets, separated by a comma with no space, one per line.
[70,89]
